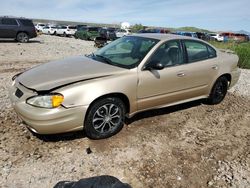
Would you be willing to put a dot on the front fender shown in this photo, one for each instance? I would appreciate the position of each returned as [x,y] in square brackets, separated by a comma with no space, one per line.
[84,93]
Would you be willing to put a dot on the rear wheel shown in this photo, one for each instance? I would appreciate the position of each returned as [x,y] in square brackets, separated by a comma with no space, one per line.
[22,37]
[219,91]
[105,118]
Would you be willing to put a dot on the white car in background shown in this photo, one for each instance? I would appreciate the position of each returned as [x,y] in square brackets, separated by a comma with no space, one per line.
[66,30]
[122,32]
[39,26]
[217,37]
[51,30]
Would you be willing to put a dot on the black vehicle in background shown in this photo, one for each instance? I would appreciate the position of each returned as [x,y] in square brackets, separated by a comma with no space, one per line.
[108,33]
[203,36]
[20,29]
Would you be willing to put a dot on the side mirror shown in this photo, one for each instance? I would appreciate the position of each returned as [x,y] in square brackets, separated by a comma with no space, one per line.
[154,66]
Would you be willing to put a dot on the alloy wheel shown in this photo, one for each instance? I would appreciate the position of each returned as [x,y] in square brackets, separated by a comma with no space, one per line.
[107,118]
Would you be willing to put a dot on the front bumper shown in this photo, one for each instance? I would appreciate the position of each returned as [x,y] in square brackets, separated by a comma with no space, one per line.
[46,121]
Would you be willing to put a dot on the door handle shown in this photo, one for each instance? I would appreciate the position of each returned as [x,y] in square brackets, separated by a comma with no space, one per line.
[181,74]
[215,67]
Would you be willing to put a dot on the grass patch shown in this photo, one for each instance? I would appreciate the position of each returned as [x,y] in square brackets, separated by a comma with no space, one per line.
[241,49]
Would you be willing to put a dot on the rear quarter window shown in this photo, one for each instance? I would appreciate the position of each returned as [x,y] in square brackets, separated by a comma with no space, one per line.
[211,52]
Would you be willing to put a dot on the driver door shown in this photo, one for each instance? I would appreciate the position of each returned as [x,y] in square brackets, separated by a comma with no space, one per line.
[160,87]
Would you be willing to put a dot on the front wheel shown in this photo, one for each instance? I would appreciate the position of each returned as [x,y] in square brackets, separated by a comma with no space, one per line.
[218,91]
[105,118]
[22,37]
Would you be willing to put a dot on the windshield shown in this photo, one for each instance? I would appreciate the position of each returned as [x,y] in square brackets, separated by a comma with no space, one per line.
[126,52]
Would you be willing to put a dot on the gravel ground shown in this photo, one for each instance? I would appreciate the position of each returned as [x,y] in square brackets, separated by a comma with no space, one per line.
[189,145]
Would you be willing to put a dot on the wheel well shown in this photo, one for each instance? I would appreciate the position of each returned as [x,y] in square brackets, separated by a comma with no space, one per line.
[121,96]
[22,32]
[228,77]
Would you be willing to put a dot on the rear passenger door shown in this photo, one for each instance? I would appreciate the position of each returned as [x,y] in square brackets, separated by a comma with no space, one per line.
[201,66]
[8,28]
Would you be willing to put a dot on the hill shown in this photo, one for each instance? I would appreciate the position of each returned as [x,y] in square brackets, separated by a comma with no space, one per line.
[191,29]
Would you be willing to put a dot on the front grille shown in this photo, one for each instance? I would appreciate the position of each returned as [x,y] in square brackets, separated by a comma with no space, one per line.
[19,93]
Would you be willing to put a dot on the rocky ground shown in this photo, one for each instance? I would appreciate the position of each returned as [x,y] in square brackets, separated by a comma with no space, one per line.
[190,145]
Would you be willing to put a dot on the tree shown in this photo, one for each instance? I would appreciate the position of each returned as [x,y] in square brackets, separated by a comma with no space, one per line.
[137,27]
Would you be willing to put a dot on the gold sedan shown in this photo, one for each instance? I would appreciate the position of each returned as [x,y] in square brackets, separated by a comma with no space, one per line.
[131,74]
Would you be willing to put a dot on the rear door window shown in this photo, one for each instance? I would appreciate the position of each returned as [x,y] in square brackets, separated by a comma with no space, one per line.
[9,21]
[196,51]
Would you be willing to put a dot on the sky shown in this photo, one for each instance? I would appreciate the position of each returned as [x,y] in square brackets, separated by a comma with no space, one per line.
[216,15]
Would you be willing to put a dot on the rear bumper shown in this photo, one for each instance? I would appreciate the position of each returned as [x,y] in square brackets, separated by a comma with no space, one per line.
[33,34]
[235,77]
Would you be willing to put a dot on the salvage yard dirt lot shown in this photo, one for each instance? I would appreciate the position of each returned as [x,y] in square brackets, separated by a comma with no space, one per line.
[191,145]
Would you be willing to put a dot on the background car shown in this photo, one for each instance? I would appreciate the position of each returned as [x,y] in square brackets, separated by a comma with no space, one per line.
[20,29]
[155,70]
[66,30]
[203,36]
[186,33]
[153,30]
[108,33]
[87,33]
[216,37]
[39,27]
[122,32]
[51,30]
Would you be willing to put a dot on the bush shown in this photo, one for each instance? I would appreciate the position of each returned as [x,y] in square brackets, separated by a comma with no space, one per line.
[241,49]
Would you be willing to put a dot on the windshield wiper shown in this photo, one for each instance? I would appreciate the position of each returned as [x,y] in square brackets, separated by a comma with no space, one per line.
[107,60]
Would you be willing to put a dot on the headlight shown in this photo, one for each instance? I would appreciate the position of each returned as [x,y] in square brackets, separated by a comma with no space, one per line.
[46,101]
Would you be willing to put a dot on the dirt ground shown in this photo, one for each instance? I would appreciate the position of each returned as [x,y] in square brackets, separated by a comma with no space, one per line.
[190,145]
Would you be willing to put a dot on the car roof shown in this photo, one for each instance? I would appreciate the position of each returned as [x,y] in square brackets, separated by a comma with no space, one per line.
[163,36]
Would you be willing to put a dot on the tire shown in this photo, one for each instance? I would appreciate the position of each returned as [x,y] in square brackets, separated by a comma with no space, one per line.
[22,37]
[64,34]
[218,91]
[105,118]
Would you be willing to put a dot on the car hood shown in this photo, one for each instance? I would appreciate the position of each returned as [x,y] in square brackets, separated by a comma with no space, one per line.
[56,74]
